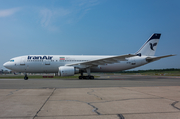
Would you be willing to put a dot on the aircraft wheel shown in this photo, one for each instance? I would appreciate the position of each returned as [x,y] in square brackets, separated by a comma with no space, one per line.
[86,77]
[80,77]
[91,77]
[25,78]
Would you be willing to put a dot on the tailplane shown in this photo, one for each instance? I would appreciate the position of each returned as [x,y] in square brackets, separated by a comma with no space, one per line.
[149,47]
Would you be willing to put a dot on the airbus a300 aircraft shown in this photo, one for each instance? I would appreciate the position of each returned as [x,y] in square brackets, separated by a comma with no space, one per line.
[69,65]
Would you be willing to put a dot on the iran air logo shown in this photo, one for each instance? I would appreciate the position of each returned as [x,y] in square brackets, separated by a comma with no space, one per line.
[152,45]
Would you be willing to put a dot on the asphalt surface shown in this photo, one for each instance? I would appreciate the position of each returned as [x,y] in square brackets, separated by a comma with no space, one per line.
[103,81]
[107,97]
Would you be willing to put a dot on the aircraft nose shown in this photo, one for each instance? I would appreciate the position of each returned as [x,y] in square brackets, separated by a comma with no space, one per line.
[7,65]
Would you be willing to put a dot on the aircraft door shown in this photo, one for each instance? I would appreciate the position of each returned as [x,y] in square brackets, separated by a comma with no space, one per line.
[22,62]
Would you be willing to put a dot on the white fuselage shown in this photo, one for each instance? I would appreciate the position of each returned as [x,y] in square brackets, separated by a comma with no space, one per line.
[51,63]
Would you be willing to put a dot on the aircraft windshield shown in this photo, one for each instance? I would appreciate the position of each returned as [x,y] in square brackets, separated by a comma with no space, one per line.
[11,60]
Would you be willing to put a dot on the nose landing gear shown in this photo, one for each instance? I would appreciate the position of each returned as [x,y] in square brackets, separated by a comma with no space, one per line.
[25,77]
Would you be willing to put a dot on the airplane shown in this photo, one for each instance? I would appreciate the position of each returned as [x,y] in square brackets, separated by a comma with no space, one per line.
[69,65]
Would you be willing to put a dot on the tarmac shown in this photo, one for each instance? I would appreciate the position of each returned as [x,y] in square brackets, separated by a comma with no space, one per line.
[108,97]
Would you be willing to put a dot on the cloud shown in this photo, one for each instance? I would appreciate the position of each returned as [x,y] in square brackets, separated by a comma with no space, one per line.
[52,18]
[8,12]
[48,15]
[82,7]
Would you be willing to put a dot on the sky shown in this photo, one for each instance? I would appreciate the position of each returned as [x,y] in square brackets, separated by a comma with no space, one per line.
[89,27]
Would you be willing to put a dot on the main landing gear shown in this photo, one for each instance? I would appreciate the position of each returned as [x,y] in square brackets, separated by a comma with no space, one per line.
[86,77]
[25,77]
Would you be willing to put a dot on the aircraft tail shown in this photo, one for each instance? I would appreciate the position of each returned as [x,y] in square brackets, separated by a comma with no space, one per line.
[149,47]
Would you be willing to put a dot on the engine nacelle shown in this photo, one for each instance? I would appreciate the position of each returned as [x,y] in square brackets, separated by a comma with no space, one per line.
[68,71]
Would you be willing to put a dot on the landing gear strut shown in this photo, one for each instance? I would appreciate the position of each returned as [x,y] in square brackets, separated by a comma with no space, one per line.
[25,77]
[86,77]
[81,77]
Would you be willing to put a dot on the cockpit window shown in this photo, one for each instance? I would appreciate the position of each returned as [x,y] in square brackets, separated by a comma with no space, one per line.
[11,60]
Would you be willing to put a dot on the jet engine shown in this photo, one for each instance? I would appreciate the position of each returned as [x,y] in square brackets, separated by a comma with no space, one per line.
[68,71]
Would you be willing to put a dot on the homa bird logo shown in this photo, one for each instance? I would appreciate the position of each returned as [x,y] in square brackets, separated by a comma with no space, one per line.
[40,57]
[152,45]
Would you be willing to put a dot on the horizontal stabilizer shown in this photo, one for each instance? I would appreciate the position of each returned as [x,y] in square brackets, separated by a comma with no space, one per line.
[151,59]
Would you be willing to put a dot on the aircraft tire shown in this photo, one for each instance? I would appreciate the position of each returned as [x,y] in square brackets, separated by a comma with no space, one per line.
[92,77]
[86,77]
[25,78]
[80,77]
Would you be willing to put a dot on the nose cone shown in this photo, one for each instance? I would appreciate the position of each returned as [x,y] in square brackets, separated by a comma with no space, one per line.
[7,65]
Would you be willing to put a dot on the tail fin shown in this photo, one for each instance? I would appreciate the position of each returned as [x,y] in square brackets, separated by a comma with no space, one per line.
[149,47]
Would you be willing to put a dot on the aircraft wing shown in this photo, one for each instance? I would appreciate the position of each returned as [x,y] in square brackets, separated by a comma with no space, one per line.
[102,61]
[151,59]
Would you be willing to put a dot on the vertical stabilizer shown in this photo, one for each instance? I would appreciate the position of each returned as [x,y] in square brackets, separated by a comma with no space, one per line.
[149,47]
